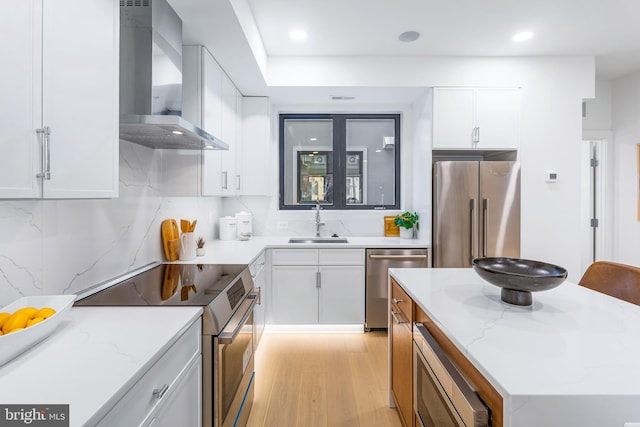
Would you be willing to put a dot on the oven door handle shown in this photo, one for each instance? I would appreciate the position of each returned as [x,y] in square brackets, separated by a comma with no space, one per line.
[231,331]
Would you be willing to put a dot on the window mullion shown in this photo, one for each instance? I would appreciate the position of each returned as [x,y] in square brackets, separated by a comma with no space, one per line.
[340,153]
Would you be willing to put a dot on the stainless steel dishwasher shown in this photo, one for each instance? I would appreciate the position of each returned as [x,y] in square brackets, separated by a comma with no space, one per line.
[379,261]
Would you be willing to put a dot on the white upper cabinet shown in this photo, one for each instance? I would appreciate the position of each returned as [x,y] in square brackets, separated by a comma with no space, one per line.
[60,76]
[255,157]
[476,118]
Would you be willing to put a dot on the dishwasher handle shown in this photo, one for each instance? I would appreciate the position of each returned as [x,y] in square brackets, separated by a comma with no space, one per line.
[372,256]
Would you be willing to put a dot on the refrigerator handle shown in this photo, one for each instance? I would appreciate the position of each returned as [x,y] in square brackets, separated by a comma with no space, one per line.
[472,228]
[485,225]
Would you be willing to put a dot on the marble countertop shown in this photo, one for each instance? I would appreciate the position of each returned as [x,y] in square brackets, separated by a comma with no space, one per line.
[243,252]
[570,359]
[93,358]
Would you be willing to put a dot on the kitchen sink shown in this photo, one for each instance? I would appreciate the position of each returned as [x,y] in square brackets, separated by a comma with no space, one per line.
[318,240]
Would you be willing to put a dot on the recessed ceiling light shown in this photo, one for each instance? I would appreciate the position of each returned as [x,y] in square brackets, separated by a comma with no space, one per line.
[520,37]
[409,36]
[177,132]
[313,138]
[298,35]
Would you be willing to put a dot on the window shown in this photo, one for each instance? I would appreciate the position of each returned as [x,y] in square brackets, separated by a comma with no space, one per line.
[342,161]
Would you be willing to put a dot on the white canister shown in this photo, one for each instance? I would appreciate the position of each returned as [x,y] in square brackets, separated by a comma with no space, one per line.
[228,228]
[245,225]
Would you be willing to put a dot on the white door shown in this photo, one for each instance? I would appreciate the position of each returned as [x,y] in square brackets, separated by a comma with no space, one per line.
[294,295]
[342,295]
[20,103]
[497,118]
[212,123]
[80,97]
[453,117]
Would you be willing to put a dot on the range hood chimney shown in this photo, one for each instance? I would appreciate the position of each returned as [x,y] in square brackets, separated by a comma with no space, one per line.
[151,79]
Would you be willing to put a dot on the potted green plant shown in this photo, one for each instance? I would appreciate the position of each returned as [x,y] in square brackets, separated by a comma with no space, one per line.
[408,223]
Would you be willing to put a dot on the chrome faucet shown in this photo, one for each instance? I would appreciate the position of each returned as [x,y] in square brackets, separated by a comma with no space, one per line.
[318,222]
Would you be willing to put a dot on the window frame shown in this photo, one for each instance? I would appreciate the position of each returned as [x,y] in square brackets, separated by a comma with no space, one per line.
[340,149]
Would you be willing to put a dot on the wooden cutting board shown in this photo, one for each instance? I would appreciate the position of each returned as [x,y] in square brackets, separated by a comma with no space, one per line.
[170,239]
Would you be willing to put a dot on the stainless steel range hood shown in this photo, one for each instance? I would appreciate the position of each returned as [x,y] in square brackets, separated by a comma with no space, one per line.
[151,79]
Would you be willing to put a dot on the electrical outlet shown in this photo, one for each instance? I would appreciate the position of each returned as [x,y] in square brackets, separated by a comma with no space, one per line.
[283,224]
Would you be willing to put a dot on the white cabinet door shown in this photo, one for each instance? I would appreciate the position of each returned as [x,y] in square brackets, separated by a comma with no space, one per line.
[255,157]
[80,97]
[212,119]
[497,118]
[453,118]
[294,295]
[228,158]
[237,150]
[55,78]
[342,295]
[184,406]
[20,103]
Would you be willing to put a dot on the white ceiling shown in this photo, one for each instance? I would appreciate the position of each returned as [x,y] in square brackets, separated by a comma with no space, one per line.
[607,29]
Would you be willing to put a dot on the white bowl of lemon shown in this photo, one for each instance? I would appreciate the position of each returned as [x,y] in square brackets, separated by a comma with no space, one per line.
[29,320]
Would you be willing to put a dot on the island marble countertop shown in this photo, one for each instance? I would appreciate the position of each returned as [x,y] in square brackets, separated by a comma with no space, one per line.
[243,252]
[570,359]
[93,358]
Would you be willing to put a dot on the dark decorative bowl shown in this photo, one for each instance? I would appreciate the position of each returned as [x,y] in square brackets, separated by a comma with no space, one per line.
[519,277]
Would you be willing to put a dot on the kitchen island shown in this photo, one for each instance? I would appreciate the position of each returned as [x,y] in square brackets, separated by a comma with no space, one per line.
[570,359]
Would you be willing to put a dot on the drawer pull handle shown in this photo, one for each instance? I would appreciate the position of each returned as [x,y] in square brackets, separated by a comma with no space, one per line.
[394,314]
[158,393]
[396,300]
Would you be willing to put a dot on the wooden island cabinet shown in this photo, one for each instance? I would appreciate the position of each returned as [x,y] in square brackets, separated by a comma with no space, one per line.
[403,312]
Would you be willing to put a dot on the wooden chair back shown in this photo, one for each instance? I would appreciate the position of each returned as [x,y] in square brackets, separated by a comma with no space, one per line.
[618,280]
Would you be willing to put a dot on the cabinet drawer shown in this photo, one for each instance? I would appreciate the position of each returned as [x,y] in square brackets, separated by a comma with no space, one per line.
[341,256]
[140,401]
[402,300]
[294,257]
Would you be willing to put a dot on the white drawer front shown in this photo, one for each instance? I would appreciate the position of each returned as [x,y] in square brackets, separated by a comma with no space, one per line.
[342,257]
[139,401]
[294,257]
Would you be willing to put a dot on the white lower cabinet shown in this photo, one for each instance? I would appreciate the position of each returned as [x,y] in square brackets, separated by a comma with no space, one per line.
[260,281]
[174,381]
[318,286]
[184,406]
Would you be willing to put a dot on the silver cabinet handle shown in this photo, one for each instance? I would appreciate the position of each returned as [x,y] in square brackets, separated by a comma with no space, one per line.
[394,314]
[45,136]
[225,183]
[396,300]
[318,280]
[237,182]
[158,393]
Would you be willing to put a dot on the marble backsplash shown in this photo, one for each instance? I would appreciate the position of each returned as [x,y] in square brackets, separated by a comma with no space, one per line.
[65,246]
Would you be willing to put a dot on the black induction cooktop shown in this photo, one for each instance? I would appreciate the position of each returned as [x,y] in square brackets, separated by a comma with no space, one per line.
[218,288]
[168,284]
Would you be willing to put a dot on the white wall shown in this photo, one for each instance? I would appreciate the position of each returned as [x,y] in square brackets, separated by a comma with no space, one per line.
[551,139]
[598,109]
[626,134]
[64,246]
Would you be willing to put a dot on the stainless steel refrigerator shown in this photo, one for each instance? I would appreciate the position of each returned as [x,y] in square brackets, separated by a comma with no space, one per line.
[476,211]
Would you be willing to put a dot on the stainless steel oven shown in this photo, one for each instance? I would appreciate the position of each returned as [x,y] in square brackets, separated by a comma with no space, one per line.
[442,396]
[232,363]
[227,295]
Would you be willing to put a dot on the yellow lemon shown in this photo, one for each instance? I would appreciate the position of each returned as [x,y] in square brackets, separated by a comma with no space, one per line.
[3,318]
[33,321]
[14,330]
[45,312]
[29,311]
[17,320]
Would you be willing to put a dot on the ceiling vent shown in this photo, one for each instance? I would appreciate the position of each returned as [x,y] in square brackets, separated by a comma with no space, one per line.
[342,98]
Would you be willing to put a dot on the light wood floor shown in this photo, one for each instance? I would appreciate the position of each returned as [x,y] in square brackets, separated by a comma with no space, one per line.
[328,380]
